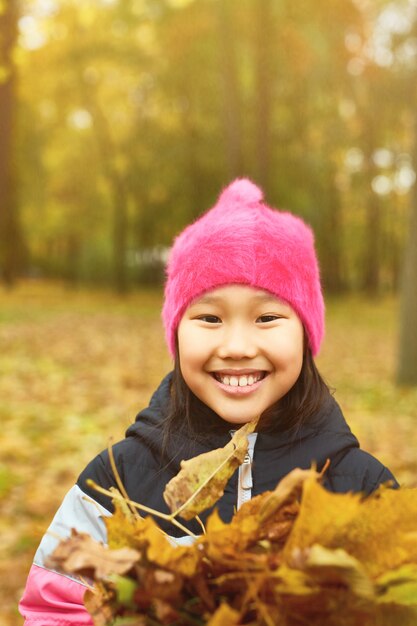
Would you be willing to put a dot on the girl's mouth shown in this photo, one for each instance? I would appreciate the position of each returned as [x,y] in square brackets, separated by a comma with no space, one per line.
[238,382]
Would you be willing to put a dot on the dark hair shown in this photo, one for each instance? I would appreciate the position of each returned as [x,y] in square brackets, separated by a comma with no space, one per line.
[189,415]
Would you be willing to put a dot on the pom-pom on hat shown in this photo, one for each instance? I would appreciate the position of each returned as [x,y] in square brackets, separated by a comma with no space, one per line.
[242,241]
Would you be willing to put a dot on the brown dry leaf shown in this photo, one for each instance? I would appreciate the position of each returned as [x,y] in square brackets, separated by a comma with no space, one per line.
[98,604]
[81,554]
[201,480]
[289,488]
[201,587]
[269,516]
[164,612]
[272,513]
[165,592]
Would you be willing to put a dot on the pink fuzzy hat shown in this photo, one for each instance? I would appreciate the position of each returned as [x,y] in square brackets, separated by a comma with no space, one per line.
[243,241]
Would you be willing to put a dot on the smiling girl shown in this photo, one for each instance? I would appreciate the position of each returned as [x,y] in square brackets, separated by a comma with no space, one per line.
[244,317]
[240,350]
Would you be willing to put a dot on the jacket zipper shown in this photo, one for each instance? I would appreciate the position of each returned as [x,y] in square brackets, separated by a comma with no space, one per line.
[245,480]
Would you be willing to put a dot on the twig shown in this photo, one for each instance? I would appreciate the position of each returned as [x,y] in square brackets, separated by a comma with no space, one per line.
[324,468]
[140,507]
[203,528]
[118,480]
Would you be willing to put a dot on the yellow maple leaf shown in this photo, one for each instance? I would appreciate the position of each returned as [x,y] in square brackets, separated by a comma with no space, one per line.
[144,535]
[225,543]
[324,518]
[382,534]
[379,530]
[122,527]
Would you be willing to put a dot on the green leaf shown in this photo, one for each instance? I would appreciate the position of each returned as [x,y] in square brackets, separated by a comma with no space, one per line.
[125,589]
[398,586]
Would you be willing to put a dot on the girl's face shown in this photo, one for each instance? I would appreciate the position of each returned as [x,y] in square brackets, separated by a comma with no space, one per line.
[240,350]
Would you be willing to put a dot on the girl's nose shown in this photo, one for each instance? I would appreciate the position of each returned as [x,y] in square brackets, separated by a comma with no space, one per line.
[237,343]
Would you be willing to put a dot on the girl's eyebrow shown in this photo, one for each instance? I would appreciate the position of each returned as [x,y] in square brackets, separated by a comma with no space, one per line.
[207,300]
[265,297]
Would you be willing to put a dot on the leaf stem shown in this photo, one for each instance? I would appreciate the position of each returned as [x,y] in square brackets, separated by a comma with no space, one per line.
[197,517]
[141,507]
[118,479]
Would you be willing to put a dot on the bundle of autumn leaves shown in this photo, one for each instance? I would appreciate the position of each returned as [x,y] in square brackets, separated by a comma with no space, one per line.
[299,555]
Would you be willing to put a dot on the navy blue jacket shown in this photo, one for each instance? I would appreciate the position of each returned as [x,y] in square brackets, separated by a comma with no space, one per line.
[145,471]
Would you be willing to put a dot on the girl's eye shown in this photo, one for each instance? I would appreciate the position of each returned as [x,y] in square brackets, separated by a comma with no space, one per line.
[267,318]
[211,319]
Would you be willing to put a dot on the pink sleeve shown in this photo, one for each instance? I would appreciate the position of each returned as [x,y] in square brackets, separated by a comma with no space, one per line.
[51,599]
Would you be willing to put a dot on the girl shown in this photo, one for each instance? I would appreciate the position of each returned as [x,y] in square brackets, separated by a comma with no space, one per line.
[244,317]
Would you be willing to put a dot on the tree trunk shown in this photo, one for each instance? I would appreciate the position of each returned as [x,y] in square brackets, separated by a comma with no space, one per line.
[264,46]
[194,181]
[407,361]
[120,224]
[72,255]
[371,250]
[331,238]
[118,191]
[232,105]
[10,235]
[371,255]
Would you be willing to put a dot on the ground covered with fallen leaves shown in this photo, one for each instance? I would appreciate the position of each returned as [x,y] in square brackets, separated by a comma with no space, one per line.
[76,366]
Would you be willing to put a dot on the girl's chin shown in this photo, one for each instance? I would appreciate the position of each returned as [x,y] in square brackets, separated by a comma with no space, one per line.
[238,420]
[238,411]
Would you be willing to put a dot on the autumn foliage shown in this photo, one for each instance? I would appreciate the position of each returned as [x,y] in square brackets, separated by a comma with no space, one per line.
[298,555]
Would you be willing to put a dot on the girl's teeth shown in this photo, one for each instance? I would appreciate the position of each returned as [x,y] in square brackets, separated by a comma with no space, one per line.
[239,381]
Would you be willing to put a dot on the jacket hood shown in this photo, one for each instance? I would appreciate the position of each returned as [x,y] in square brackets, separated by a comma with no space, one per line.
[326,434]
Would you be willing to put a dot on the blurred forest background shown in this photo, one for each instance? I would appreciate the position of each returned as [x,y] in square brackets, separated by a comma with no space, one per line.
[120,121]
